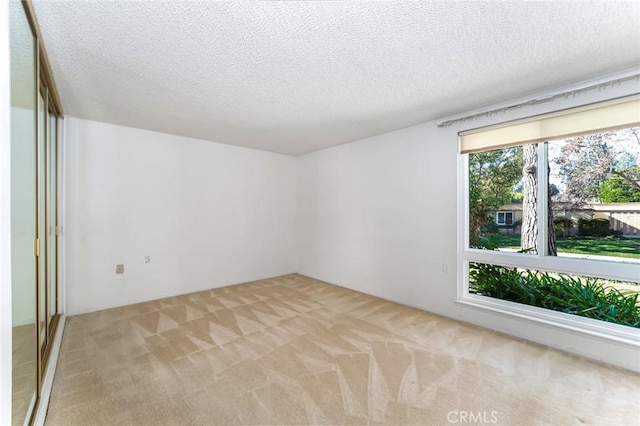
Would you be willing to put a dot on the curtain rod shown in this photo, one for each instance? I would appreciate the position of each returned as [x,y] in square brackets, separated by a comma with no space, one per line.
[535,101]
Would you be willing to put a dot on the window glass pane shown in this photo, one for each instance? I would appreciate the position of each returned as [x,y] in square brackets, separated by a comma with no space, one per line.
[606,300]
[595,184]
[496,195]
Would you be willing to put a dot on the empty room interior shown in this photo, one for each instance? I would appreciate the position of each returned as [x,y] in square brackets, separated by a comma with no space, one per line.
[319,212]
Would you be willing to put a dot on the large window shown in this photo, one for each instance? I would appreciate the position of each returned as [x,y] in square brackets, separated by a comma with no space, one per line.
[552,209]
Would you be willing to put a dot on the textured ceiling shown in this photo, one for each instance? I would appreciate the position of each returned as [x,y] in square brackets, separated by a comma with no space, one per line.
[23,59]
[295,77]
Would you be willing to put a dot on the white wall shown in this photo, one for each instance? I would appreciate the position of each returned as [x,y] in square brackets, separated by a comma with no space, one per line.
[5,219]
[380,216]
[206,214]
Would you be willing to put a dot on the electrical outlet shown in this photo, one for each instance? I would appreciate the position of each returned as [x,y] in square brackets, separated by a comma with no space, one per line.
[119,269]
[445,268]
[147,259]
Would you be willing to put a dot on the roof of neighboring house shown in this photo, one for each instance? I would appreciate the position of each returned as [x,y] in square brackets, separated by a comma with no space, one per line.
[626,207]
[510,207]
[600,207]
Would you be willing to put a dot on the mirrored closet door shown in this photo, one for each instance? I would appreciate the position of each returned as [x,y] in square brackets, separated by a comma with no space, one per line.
[35,125]
[24,106]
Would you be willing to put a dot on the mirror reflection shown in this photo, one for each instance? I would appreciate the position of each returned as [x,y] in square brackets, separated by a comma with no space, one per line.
[23,211]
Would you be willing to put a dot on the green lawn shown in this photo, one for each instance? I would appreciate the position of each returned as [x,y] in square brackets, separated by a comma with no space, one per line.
[595,246]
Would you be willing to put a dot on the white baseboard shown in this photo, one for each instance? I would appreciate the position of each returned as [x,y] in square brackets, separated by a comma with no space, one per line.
[47,384]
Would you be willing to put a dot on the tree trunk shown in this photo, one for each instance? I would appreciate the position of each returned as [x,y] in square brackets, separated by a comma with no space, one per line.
[551,243]
[474,229]
[529,231]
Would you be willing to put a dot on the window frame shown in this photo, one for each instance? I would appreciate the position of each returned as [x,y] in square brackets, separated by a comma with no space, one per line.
[614,268]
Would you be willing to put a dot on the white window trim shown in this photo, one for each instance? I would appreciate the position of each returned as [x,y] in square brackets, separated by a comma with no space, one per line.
[574,323]
[616,269]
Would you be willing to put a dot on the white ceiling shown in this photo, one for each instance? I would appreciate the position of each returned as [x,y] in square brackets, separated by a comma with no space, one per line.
[295,77]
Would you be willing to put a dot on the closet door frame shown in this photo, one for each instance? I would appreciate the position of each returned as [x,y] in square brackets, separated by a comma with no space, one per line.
[45,205]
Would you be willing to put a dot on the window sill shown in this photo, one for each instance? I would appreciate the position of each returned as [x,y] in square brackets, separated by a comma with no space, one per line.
[611,332]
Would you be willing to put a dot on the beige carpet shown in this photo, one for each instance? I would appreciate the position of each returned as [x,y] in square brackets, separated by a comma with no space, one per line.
[24,371]
[294,350]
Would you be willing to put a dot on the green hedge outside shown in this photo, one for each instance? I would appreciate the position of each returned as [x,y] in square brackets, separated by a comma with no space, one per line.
[581,296]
